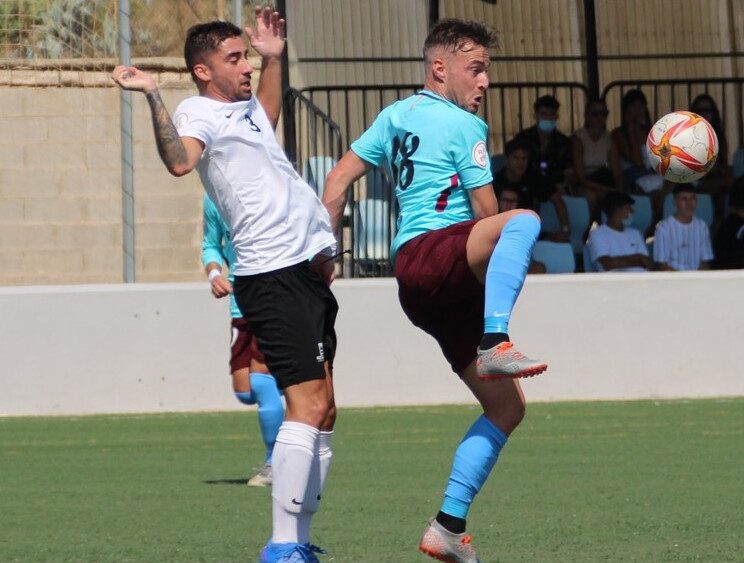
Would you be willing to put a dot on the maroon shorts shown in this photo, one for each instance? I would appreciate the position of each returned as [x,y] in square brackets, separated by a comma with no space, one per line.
[243,346]
[440,294]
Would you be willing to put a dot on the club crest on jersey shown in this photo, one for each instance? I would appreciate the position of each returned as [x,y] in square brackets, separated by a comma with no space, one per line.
[480,155]
[180,120]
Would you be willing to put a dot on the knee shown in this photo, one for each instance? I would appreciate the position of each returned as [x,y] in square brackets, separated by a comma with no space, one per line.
[507,417]
[313,411]
[330,420]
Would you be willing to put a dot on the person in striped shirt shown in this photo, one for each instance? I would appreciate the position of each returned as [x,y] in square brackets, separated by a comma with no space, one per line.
[682,241]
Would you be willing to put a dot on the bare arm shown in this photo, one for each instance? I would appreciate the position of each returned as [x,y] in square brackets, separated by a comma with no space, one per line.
[630,261]
[348,170]
[483,201]
[268,40]
[180,155]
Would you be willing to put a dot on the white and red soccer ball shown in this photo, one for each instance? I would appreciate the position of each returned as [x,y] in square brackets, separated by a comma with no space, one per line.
[682,146]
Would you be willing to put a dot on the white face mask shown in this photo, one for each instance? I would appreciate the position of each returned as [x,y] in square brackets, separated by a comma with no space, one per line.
[628,221]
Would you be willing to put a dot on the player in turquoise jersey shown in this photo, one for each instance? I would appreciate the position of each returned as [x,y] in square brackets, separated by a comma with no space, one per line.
[460,264]
[252,383]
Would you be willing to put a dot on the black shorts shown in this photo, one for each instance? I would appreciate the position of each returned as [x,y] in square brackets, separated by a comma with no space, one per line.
[292,313]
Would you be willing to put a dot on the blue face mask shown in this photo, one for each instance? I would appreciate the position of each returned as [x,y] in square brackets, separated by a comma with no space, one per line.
[546,125]
[628,221]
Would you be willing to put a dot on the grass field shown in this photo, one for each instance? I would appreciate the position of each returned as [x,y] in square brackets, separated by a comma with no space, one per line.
[635,481]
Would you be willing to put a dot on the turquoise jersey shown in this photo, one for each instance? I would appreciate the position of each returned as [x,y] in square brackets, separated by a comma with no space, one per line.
[216,246]
[435,152]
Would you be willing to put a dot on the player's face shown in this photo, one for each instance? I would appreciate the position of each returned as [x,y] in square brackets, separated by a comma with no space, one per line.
[516,163]
[230,71]
[466,79]
[686,203]
[508,200]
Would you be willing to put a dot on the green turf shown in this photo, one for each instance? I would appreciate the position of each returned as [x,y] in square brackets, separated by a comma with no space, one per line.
[622,481]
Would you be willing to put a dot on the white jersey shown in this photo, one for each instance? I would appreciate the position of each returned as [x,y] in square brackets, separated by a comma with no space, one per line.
[275,218]
[682,245]
[606,241]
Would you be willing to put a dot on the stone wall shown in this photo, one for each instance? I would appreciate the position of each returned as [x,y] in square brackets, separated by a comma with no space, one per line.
[60,183]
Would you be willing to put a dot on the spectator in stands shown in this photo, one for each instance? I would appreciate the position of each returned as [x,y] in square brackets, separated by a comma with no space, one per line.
[615,246]
[532,189]
[728,245]
[596,161]
[682,241]
[508,198]
[550,151]
[630,140]
[717,181]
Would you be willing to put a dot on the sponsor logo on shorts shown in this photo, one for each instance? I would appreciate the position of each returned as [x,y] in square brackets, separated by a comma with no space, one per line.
[321,353]
[480,155]
[180,120]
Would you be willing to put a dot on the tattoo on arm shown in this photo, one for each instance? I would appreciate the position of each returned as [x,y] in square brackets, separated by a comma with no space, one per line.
[170,147]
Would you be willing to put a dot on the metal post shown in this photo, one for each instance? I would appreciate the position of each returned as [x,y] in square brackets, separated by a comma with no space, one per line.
[127,153]
[290,142]
[592,57]
[237,13]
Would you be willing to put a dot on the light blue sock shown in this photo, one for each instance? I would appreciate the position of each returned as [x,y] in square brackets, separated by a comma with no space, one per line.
[475,457]
[507,269]
[270,409]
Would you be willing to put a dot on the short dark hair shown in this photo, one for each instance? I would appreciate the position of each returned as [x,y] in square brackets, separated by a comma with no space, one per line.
[453,34]
[546,101]
[205,37]
[615,200]
[684,188]
[516,145]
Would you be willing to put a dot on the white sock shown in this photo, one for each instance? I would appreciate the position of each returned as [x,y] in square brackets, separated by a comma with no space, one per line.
[294,452]
[316,484]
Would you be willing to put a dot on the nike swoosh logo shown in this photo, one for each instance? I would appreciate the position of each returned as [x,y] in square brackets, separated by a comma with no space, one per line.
[229,115]
[295,502]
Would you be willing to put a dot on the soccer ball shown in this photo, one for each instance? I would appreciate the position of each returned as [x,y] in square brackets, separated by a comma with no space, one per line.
[682,146]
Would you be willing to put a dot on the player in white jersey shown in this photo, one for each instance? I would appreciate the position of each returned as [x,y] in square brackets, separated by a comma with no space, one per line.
[682,241]
[282,239]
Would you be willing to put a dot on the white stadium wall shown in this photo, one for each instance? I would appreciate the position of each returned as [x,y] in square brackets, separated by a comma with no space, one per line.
[164,347]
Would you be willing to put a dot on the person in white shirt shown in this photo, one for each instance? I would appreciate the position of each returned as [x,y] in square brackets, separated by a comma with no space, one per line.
[682,241]
[615,246]
[283,242]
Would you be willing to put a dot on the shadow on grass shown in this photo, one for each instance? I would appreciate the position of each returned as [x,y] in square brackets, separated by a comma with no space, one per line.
[239,481]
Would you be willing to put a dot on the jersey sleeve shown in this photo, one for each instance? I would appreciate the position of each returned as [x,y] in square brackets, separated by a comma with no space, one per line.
[707,246]
[597,247]
[370,147]
[661,243]
[642,248]
[212,240]
[469,152]
[192,120]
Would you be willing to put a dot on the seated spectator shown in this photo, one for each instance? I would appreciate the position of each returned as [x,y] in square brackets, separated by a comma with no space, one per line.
[717,181]
[682,241]
[596,161]
[532,189]
[728,245]
[550,151]
[615,246]
[630,140]
[508,200]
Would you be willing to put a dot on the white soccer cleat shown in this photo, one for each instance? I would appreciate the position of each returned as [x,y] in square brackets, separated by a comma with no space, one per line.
[441,544]
[263,478]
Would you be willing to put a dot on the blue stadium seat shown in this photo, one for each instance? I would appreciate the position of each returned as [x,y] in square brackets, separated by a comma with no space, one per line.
[642,213]
[704,207]
[315,170]
[738,163]
[578,217]
[374,229]
[549,218]
[558,257]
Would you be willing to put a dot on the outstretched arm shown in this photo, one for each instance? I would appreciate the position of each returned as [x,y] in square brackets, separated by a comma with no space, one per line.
[348,170]
[179,154]
[268,40]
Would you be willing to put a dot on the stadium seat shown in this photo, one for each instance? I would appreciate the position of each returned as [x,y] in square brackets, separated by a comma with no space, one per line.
[498,161]
[738,163]
[588,264]
[558,257]
[315,170]
[578,217]
[642,213]
[374,229]
[704,207]
[549,218]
